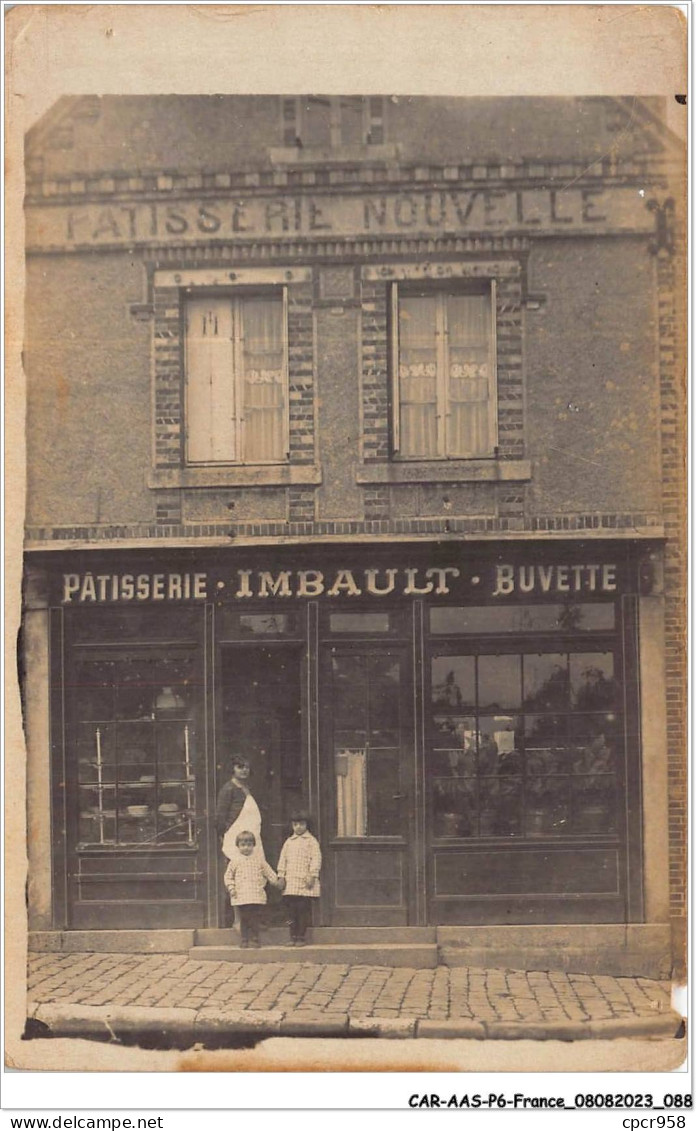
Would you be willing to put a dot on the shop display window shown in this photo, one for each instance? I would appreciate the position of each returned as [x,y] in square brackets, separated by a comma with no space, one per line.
[525,744]
[135,744]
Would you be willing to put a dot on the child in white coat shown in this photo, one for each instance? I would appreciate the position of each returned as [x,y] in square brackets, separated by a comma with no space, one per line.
[298,868]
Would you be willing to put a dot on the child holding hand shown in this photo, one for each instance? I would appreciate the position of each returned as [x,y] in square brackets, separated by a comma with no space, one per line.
[245,879]
[298,871]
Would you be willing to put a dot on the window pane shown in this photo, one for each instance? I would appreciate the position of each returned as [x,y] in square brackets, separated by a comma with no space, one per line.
[350,692]
[468,374]
[263,378]
[210,401]
[499,681]
[359,622]
[94,690]
[384,681]
[258,624]
[500,745]
[136,774]
[384,799]
[546,744]
[546,682]
[454,751]
[351,121]
[501,806]
[594,804]
[592,680]
[418,374]
[454,808]
[453,681]
[521,618]
[593,743]
[548,806]
[316,125]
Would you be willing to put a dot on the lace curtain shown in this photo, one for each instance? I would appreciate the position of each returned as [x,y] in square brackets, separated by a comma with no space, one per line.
[263,395]
[446,336]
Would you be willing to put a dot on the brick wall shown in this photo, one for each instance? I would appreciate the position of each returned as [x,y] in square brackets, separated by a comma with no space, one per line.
[301,373]
[375,371]
[670,271]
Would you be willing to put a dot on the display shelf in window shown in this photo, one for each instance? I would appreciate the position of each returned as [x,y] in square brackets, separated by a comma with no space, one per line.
[126,802]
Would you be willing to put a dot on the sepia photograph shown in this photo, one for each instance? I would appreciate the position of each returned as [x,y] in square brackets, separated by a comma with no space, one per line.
[352,652]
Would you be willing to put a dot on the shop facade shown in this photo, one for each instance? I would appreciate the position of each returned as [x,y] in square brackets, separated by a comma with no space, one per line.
[358,533]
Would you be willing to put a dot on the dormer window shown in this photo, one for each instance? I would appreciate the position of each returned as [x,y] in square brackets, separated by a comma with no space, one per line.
[332,121]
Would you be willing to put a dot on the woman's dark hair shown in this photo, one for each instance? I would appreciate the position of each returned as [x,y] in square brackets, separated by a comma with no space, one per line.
[240,760]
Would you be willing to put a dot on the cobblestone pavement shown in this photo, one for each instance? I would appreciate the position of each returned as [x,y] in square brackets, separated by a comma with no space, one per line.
[322,991]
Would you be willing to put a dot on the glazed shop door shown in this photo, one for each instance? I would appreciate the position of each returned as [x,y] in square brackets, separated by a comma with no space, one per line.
[368,778]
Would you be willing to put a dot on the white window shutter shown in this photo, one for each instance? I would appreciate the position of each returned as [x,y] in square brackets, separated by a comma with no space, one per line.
[210,396]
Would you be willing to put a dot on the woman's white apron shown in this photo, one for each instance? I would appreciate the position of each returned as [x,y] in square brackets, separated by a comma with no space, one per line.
[248,821]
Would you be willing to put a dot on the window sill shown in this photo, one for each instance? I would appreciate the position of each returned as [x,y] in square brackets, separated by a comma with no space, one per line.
[446,471]
[228,475]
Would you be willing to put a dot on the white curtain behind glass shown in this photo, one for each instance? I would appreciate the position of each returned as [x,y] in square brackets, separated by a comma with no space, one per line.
[445,375]
[468,374]
[351,793]
[263,379]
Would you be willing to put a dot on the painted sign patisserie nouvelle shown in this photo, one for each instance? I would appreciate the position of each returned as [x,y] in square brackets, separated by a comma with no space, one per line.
[124,222]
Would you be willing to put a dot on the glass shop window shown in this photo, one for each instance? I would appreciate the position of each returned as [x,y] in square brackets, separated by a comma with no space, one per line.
[524,744]
[575,616]
[443,373]
[366,696]
[236,379]
[135,749]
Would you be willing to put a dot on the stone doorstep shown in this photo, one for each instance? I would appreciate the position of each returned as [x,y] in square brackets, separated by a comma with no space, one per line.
[412,956]
[66,1020]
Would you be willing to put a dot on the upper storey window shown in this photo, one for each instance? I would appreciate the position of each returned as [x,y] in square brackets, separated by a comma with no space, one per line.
[444,373]
[332,122]
[236,378]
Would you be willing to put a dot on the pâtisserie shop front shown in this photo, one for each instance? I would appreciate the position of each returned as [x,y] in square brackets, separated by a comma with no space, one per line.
[461,719]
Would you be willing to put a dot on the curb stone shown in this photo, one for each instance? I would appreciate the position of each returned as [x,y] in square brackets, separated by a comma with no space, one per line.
[74,1020]
[295,1025]
[455,1027]
[664,1025]
[538,1030]
[388,1027]
[210,1020]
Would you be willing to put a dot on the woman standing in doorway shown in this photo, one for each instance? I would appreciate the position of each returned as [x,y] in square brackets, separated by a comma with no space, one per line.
[236,813]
